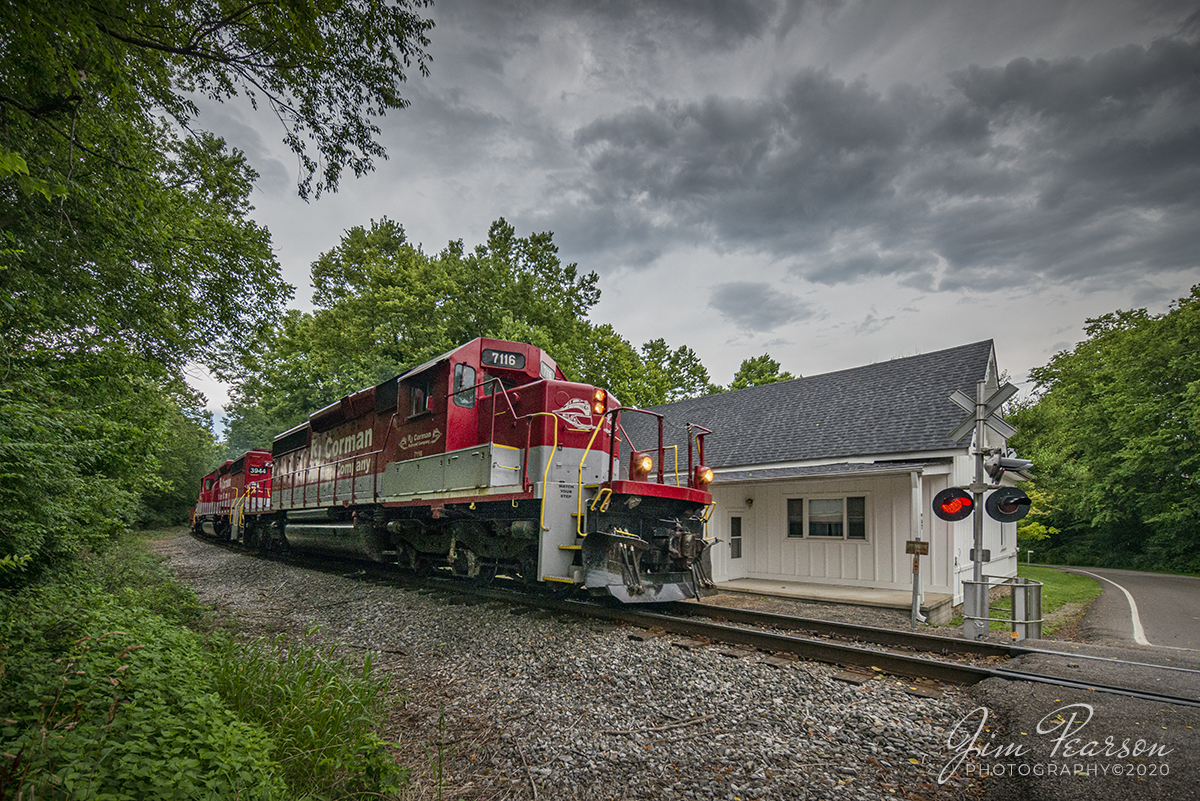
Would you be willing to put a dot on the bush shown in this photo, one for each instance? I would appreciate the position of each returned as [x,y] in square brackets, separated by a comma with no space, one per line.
[100,701]
[104,694]
[319,710]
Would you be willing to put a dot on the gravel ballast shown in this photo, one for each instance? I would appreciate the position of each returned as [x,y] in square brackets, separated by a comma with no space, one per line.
[495,701]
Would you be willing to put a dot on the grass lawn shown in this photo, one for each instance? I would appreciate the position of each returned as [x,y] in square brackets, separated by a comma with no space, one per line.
[1065,597]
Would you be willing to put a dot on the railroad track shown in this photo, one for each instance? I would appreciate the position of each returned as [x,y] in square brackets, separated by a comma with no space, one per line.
[846,654]
[964,662]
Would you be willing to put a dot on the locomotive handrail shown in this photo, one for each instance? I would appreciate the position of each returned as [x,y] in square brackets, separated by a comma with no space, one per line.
[616,413]
[579,489]
[550,461]
[700,444]
[675,448]
[353,489]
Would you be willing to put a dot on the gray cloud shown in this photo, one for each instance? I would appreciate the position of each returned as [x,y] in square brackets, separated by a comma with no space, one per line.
[757,306]
[1052,170]
[642,25]
[872,323]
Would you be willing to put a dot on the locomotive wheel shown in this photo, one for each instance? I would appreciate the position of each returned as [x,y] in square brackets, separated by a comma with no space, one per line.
[413,560]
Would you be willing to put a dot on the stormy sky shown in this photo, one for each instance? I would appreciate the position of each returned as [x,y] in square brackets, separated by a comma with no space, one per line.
[835,183]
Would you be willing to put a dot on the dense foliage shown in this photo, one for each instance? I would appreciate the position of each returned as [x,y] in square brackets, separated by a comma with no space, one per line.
[127,249]
[103,694]
[1115,438]
[384,305]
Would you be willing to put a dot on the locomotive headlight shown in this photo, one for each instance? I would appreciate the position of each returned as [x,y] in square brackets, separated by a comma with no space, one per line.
[640,466]
[599,396]
[598,408]
[702,476]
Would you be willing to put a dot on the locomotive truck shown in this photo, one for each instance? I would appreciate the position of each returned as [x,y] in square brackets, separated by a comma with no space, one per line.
[484,460]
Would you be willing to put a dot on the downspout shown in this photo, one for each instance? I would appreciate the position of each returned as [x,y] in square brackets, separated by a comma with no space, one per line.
[917,517]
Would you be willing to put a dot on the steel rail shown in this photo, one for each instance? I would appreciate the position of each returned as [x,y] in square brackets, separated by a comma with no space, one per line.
[818,650]
[920,641]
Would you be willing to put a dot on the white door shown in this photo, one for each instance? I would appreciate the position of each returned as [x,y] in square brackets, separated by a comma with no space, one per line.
[734,545]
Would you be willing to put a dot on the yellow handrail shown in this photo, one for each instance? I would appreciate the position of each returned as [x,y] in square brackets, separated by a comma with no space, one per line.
[579,488]
[676,449]
[550,461]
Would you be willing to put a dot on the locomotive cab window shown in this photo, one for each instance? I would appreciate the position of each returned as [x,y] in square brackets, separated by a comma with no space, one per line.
[495,381]
[464,386]
[419,394]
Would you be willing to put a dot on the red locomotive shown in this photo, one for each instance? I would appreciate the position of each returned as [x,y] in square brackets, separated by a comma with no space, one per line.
[239,487]
[487,461]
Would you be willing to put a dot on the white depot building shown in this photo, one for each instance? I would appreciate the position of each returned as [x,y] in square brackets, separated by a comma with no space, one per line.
[821,480]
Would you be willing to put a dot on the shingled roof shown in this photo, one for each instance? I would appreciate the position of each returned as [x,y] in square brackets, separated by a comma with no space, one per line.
[900,406]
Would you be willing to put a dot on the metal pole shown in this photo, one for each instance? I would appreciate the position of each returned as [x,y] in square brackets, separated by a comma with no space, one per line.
[915,479]
[975,603]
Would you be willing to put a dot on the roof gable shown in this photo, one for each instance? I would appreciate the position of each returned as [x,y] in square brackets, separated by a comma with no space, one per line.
[892,407]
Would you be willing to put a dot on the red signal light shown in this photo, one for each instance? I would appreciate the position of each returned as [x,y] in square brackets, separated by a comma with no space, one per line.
[953,504]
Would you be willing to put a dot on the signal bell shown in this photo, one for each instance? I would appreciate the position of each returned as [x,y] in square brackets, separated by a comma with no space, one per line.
[953,504]
[1007,504]
[996,465]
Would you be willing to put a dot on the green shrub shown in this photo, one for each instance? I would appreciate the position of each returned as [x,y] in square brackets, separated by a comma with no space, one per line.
[103,702]
[137,579]
[319,709]
[104,694]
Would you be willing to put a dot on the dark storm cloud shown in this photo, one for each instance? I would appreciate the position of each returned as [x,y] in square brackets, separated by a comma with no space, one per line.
[755,306]
[1056,170]
[645,25]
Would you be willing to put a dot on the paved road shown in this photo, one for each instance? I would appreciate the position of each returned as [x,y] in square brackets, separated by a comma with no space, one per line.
[1168,608]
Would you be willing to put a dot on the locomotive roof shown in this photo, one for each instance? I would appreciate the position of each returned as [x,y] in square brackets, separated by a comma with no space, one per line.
[900,406]
[292,438]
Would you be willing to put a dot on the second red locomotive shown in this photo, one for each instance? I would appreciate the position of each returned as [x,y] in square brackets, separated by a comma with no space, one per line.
[486,460]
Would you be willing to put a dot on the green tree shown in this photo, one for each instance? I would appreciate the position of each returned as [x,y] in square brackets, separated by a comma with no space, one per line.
[672,375]
[758,371]
[86,75]
[1115,438]
[188,453]
[126,244]
[384,305]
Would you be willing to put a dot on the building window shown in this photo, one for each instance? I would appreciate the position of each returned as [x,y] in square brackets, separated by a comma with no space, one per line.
[828,518]
[735,538]
[795,517]
[856,518]
[825,517]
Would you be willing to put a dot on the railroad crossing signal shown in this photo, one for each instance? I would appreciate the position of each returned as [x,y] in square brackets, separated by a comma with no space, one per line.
[990,418]
[1007,504]
[983,410]
[953,504]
